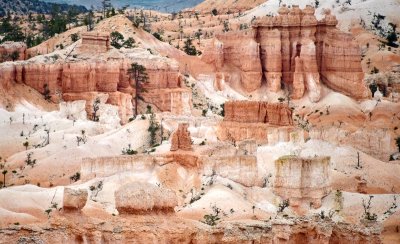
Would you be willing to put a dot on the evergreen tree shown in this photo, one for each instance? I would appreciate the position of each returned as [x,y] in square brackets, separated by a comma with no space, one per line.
[139,75]
[189,48]
[116,39]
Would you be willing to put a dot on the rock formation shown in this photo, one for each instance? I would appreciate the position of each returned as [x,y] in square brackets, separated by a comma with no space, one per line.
[74,199]
[181,139]
[79,79]
[9,49]
[96,42]
[258,112]
[255,120]
[292,50]
[303,181]
[142,197]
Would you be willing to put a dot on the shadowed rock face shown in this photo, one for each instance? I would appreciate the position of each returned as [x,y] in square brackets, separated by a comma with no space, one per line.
[302,180]
[292,50]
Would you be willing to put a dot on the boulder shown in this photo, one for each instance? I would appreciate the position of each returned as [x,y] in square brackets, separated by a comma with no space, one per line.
[74,199]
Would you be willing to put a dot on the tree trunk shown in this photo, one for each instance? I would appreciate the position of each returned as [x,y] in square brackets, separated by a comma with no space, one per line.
[136,93]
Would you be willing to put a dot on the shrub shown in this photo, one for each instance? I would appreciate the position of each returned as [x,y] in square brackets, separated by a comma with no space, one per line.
[211,219]
[367,210]
[128,151]
[284,204]
[75,177]
[29,161]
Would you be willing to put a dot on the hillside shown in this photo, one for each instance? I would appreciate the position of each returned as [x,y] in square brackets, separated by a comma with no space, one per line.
[224,6]
[34,6]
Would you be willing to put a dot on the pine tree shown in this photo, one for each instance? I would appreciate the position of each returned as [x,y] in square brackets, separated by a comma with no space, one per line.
[189,48]
[138,74]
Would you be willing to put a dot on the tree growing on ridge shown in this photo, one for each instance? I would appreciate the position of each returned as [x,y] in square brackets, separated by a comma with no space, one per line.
[139,76]
[105,5]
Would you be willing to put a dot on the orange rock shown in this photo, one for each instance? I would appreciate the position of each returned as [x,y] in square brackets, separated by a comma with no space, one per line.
[95,42]
[181,139]
[258,112]
[296,58]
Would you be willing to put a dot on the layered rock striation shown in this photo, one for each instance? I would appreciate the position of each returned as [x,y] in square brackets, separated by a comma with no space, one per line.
[303,181]
[101,71]
[181,139]
[256,120]
[293,51]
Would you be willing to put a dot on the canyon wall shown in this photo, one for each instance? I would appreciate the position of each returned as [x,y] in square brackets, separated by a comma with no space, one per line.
[82,80]
[293,51]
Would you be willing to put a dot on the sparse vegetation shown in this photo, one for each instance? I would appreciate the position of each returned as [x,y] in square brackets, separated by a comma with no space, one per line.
[128,151]
[189,48]
[25,144]
[96,107]
[82,138]
[75,177]
[95,189]
[282,205]
[368,215]
[29,161]
[212,219]
[153,128]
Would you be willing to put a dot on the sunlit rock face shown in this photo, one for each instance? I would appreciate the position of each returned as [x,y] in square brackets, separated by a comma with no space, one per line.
[293,51]
[95,73]
[181,139]
[303,181]
[255,120]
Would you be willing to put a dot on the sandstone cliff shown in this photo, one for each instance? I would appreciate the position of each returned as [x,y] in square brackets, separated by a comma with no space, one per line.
[82,78]
[293,51]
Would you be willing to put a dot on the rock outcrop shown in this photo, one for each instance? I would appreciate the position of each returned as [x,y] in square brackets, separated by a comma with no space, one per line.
[80,79]
[74,199]
[181,139]
[96,42]
[303,181]
[138,197]
[12,51]
[258,112]
[292,50]
[256,120]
